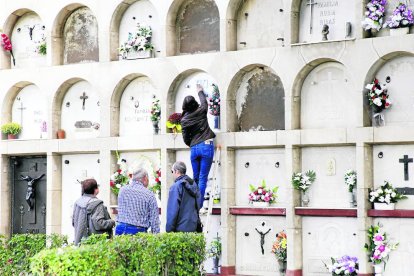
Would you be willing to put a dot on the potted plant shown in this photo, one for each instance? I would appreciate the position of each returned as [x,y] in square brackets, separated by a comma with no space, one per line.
[385,197]
[351,181]
[214,105]
[61,134]
[155,114]
[279,248]
[214,251]
[378,100]
[345,265]
[262,196]
[400,20]
[379,248]
[11,129]
[302,182]
[138,44]
[174,122]
[374,14]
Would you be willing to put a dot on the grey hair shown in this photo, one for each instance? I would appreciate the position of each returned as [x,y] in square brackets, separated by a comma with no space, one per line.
[139,174]
[180,166]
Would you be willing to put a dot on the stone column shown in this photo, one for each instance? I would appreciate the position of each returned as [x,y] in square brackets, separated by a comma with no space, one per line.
[168,157]
[54,193]
[5,197]
[107,165]
[228,221]
[293,222]
[364,168]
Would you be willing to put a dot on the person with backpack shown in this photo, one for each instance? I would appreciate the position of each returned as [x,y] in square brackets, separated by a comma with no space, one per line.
[90,216]
[182,206]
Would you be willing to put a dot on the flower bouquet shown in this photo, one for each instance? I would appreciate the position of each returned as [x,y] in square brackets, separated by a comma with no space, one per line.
[155,113]
[262,196]
[351,181]
[401,17]
[302,182]
[214,105]
[7,46]
[385,197]
[174,122]
[139,41]
[121,177]
[379,247]
[378,96]
[374,15]
[344,266]
[279,248]
[156,187]
[214,251]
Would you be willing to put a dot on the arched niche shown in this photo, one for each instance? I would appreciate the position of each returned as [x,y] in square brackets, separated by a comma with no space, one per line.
[328,98]
[125,19]
[256,100]
[28,35]
[135,107]
[255,24]
[193,26]
[308,20]
[185,85]
[398,69]
[78,105]
[75,36]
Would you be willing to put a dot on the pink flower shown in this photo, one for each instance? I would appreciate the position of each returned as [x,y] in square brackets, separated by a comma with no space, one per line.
[378,238]
[267,199]
[381,248]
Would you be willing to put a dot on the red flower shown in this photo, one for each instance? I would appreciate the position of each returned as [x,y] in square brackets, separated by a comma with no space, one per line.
[130,175]
[387,104]
[175,118]
[376,81]
[157,179]
[111,183]
[159,173]
[119,171]
[7,46]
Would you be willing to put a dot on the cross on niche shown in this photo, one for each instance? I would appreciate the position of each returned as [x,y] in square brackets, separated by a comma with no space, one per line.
[311,3]
[21,108]
[405,161]
[83,97]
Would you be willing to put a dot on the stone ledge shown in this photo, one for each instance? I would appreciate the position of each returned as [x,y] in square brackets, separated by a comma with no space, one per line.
[320,212]
[252,211]
[391,213]
[114,208]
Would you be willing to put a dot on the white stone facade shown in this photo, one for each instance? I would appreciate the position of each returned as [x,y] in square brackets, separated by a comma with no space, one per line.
[322,126]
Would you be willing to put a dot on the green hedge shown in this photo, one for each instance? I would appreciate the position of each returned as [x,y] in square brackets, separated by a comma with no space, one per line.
[141,254]
[15,253]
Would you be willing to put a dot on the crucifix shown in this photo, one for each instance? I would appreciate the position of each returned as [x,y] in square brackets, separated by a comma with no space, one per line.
[83,98]
[311,3]
[262,237]
[21,108]
[405,161]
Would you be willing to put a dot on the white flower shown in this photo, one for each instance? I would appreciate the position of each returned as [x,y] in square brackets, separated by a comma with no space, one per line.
[369,86]
[393,194]
[377,102]
[118,186]
[381,199]
[260,191]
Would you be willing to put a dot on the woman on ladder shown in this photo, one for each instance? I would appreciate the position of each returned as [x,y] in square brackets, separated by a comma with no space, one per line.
[198,135]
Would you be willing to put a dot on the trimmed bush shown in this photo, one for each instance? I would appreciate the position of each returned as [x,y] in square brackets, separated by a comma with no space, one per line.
[141,254]
[15,253]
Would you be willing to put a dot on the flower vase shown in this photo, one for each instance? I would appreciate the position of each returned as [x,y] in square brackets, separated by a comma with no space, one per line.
[378,117]
[11,136]
[282,267]
[138,54]
[352,199]
[399,31]
[260,204]
[156,127]
[305,198]
[216,265]
[384,206]
[378,269]
[217,122]
[372,32]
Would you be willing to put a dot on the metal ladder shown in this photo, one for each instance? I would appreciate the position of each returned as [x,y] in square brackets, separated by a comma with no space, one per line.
[214,188]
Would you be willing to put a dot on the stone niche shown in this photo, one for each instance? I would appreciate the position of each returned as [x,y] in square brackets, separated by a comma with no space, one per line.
[323,238]
[255,165]
[30,111]
[260,24]
[28,34]
[399,72]
[339,15]
[330,164]
[260,101]
[394,163]
[189,87]
[198,27]
[144,13]
[75,168]
[389,9]
[399,231]
[80,37]
[135,108]
[80,112]
[328,98]
[250,259]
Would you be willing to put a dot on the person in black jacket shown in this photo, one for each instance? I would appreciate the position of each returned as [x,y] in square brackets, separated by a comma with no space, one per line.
[182,207]
[198,135]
